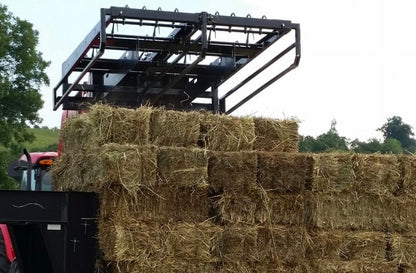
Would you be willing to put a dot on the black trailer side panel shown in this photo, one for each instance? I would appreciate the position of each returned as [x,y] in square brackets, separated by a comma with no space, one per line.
[52,231]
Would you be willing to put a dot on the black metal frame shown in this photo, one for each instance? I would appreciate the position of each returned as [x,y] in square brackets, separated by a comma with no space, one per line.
[153,69]
[52,232]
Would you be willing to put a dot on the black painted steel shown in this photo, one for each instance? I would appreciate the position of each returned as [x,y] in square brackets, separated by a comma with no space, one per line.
[52,232]
[174,59]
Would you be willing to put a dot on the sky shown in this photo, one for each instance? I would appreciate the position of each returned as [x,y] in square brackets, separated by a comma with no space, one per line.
[357,64]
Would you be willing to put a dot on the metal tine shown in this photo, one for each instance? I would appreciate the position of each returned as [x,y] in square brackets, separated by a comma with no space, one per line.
[249,30]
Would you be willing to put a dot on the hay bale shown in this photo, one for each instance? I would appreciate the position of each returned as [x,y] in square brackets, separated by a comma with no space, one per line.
[260,267]
[358,266]
[76,171]
[174,128]
[408,169]
[353,211]
[120,125]
[227,133]
[334,172]
[192,241]
[238,242]
[284,172]
[60,171]
[378,174]
[232,170]
[151,242]
[284,244]
[182,167]
[132,166]
[77,134]
[162,204]
[164,266]
[403,248]
[276,135]
[259,207]
[349,245]
[138,240]
[106,235]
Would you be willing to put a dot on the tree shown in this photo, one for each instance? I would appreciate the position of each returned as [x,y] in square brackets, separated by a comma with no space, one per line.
[372,146]
[328,142]
[306,144]
[22,72]
[396,129]
[391,146]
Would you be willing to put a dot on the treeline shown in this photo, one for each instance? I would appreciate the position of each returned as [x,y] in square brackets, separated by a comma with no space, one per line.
[397,139]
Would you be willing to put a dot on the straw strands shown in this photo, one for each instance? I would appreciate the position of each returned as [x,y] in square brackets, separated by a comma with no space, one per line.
[120,125]
[181,167]
[173,128]
[276,135]
[227,133]
[232,170]
[345,245]
[161,204]
[284,172]
[198,192]
[364,212]
[145,125]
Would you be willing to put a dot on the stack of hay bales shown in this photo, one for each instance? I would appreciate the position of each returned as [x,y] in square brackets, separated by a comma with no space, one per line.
[364,211]
[160,211]
[197,192]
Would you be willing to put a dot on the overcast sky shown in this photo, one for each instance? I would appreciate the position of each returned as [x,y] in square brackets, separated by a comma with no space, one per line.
[357,63]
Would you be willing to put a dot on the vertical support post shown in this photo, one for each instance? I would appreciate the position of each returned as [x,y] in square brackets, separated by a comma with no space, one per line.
[215,99]
[222,105]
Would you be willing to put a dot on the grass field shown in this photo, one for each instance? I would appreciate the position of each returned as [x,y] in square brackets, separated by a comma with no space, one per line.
[45,140]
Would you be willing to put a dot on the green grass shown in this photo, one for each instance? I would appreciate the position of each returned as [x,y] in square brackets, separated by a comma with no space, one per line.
[45,140]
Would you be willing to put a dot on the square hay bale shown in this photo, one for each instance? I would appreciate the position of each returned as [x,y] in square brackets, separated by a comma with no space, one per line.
[403,248]
[63,170]
[162,204]
[283,244]
[192,241]
[237,242]
[120,125]
[261,267]
[259,207]
[227,133]
[77,134]
[286,209]
[182,167]
[357,266]
[232,170]
[76,171]
[363,211]
[174,128]
[346,245]
[334,172]
[408,168]
[132,166]
[284,172]
[378,174]
[106,235]
[237,207]
[150,242]
[276,135]
[163,266]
